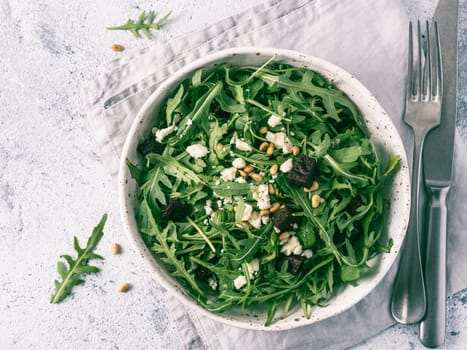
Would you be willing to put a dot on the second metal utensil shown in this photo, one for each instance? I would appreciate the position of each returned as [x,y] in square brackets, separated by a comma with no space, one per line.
[422,113]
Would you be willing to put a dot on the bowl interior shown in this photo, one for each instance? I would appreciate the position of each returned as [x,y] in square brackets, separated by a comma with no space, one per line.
[381,130]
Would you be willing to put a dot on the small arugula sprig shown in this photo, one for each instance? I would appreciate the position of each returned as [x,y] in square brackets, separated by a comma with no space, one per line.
[71,275]
[140,25]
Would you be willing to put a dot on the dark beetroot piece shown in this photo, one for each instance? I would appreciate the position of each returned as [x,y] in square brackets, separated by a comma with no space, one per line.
[176,210]
[283,219]
[295,263]
[304,171]
[150,145]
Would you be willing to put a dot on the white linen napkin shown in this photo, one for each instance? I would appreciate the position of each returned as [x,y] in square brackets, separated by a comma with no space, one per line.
[368,38]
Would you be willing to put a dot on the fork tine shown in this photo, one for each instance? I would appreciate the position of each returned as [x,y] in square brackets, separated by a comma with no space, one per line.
[420,65]
[427,67]
[437,91]
[410,80]
[410,83]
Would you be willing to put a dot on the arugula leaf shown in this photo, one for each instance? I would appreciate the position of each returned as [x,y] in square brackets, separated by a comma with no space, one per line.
[174,168]
[172,104]
[154,178]
[168,253]
[136,173]
[248,248]
[198,115]
[392,164]
[143,24]
[228,189]
[71,275]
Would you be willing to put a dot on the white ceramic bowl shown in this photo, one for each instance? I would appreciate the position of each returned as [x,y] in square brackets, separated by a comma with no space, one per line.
[382,132]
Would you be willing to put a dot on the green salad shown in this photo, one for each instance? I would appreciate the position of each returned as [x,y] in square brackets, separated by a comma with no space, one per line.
[260,186]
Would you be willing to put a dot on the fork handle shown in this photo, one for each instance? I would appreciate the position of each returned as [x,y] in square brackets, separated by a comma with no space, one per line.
[408,297]
[433,325]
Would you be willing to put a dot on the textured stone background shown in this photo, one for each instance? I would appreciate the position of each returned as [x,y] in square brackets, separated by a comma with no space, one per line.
[53,184]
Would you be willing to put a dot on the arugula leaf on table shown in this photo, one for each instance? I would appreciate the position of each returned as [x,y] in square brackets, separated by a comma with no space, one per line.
[71,275]
[143,24]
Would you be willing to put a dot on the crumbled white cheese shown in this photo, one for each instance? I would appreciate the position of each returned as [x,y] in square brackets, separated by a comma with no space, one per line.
[197,150]
[208,208]
[286,166]
[253,268]
[255,219]
[274,120]
[228,174]
[212,283]
[240,180]
[189,121]
[228,200]
[261,195]
[239,282]
[242,145]
[234,138]
[280,140]
[265,220]
[162,133]
[239,163]
[307,253]
[247,212]
[292,246]
[288,146]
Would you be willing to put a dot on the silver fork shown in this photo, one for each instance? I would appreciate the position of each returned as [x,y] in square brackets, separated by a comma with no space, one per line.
[422,113]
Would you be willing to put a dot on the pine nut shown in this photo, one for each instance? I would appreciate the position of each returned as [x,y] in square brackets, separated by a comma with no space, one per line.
[117,47]
[124,287]
[264,212]
[315,200]
[270,149]
[256,177]
[274,169]
[262,130]
[115,248]
[283,236]
[219,147]
[263,146]
[295,150]
[242,173]
[248,169]
[271,189]
[314,186]
[274,207]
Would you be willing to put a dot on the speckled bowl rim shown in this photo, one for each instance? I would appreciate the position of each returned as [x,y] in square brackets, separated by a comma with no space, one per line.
[382,131]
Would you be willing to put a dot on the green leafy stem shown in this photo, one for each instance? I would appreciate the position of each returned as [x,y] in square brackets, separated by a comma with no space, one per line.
[71,275]
[143,24]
